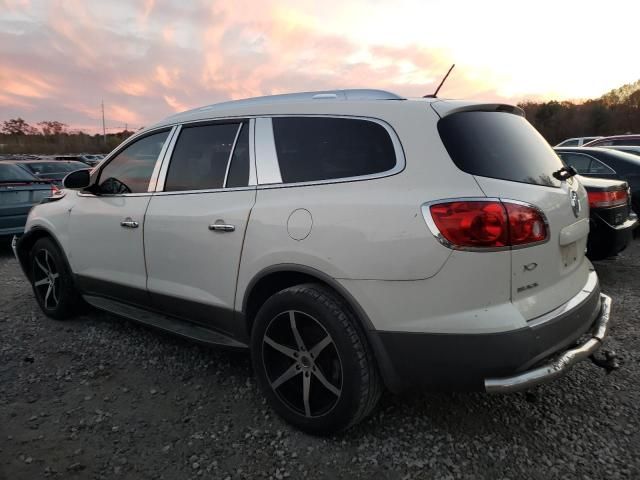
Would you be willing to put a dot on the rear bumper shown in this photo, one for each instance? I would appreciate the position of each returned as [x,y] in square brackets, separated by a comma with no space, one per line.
[561,364]
[606,239]
[466,361]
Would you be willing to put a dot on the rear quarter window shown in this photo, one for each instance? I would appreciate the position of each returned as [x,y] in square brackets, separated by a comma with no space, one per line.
[324,148]
[499,145]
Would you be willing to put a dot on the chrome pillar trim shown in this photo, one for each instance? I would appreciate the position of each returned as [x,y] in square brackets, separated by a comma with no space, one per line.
[159,161]
[253,177]
[162,175]
[266,155]
[561,364]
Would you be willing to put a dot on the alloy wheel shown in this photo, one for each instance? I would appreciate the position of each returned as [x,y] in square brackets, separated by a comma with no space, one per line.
[46,279]
[302,363]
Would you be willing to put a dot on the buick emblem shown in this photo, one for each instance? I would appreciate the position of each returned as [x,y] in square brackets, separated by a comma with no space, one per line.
[575,203]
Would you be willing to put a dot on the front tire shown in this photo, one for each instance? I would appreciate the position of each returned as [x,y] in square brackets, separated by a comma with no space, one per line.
[52,282]
[312,361]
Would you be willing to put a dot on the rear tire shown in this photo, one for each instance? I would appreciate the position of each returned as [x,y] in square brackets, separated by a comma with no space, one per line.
[52,281]
[312,361]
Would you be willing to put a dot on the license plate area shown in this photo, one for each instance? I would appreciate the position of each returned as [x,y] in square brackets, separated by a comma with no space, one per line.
[14,198]
[569,254]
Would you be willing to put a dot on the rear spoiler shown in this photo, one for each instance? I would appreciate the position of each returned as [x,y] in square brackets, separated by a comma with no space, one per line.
[448,107]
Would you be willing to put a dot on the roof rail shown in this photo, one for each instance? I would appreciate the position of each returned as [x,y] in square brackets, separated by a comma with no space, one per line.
[351,94]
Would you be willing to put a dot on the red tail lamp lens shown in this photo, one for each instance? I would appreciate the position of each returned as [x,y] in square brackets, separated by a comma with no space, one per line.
[607,199]
[488,224]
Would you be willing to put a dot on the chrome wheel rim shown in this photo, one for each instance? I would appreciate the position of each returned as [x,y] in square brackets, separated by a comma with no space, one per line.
[302,364]
[46,279]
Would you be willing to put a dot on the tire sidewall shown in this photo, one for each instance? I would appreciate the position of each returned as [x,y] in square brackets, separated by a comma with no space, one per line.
[301,299]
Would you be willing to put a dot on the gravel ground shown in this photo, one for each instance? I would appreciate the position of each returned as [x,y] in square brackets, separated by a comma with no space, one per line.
[101,397]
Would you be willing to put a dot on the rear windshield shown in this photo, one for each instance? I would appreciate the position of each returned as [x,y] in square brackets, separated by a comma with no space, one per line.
[56,167]
[499,145]
[12,173]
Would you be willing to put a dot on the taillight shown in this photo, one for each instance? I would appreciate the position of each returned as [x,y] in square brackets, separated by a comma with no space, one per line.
[55,190]
[488,223]
[614,198]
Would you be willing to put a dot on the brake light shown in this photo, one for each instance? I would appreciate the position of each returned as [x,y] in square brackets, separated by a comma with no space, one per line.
[488,224]
[607,199]
[55,191]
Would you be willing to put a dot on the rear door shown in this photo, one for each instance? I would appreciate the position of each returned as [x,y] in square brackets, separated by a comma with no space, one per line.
[510,160]
[195,223]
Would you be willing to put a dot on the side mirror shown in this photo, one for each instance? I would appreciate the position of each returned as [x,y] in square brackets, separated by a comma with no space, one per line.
[78,180]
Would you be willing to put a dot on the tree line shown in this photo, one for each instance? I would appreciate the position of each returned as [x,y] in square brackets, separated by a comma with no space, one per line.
[53,137]
[615,113]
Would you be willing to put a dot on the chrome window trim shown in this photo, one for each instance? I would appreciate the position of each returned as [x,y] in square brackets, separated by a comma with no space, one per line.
[209,190]
[253,172]
[267,165]
[397,147]
[435,231]
[97,170]
[162,176]
[233,149]
[160,160]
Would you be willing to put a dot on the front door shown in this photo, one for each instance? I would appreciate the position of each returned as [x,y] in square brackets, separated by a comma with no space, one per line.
[195,224]
[106,227]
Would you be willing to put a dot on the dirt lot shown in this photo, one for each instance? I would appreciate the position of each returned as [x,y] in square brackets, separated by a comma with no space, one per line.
[100,397]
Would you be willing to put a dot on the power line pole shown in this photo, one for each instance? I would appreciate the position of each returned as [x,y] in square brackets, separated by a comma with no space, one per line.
[104,130]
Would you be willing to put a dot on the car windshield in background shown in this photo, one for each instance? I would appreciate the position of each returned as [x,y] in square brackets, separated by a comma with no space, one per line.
[12,174]
[499,145]
[42,168]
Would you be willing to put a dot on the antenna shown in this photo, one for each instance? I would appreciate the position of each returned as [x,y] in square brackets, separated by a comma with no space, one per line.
[104,130]
[435,94]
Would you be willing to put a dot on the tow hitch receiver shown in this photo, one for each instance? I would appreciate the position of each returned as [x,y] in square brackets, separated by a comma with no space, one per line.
[606,359]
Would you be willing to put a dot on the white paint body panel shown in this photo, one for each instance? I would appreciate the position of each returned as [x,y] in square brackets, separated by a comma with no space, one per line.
[99,247]
[185,259]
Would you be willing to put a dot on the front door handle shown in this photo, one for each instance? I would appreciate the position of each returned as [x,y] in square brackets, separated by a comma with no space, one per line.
[129,223]
[222,227]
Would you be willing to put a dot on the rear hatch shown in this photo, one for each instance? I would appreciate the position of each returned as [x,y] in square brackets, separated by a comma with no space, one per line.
[510,160]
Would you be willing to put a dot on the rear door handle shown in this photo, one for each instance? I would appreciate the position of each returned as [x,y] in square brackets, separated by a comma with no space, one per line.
[222,227]
[129,223]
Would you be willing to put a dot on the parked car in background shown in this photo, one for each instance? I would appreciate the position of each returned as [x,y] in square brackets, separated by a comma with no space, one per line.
[91,160]
[606,163]
[611,219]
[635,150]
[349,240]
[614,140]
[576,141]
[19,191]
[52,171]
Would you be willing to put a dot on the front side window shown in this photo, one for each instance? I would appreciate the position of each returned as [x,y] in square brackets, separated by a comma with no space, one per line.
[201,156]
[131,169]
[322,148]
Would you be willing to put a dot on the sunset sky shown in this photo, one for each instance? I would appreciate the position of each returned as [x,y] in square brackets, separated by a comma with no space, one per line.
[148,59]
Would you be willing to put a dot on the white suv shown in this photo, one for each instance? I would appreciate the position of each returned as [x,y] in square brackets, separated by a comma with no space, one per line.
[350,240]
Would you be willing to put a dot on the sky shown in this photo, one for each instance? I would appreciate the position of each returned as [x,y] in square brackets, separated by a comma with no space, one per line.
[148,59]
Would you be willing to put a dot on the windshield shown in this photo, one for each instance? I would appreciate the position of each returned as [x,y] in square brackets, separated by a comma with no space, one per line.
[499,145]
[12,173]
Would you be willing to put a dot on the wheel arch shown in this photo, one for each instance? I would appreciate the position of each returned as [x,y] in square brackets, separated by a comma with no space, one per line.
[278,277]
[26,242]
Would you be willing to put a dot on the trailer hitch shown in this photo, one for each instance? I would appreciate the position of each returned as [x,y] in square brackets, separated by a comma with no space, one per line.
[606,359]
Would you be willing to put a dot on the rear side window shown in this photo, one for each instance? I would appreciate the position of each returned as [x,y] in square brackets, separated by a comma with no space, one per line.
[200,157]
[238,175]
[623,141]
[499,145]
[580,162]
[321,148]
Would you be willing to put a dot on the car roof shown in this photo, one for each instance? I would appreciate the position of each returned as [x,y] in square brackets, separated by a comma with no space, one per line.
[309,102]
[605,151]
